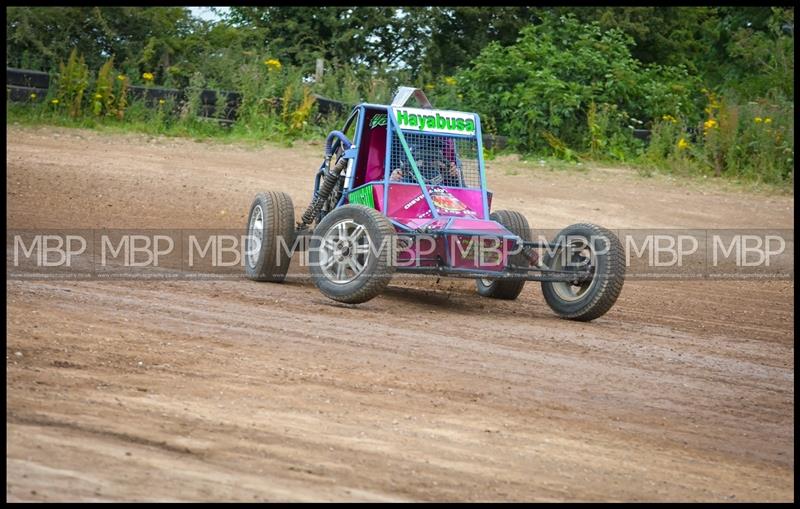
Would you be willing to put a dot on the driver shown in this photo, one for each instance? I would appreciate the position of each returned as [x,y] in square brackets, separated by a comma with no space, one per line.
[434,166]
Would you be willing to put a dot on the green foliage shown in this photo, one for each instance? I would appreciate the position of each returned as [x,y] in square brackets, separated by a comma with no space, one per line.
[103,97]
[571,82]
[668,145]
[194,92]
[148,39]
[444,39]
[610,134]
[762,61]
[122,96]
[73,79]
[560,149]
[343,85]
[555,71]
[752,141]
[369,37]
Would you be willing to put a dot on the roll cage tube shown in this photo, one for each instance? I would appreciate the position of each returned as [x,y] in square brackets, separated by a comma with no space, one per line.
[334,139]
[340,136]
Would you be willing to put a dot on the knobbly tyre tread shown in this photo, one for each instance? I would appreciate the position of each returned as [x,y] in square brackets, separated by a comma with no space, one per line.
[380,269]
[603,296]
[278,221]
[508,289]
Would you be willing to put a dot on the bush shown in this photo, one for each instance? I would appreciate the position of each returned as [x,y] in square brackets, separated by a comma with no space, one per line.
[549,79]
[752,141]
[73,80]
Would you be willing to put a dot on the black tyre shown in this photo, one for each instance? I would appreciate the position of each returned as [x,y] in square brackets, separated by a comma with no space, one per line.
[271,220]
[587,300]
[351,257]
[507,288]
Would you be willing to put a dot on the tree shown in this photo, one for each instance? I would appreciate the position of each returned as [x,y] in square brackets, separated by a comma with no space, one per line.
[446,39]
[368,36]
[145,39]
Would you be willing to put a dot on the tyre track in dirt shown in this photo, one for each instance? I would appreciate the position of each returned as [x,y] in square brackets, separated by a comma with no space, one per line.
[236,390]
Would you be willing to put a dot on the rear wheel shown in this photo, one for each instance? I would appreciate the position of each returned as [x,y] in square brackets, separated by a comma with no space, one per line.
[585,246]
[271,221]
[352,254]
[507,288]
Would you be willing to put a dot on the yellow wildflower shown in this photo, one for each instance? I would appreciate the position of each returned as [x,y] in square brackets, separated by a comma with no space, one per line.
[757,120]
[683,144]
[767,120]
[33,95]
[273,64]
[54,101]
[450,81]
[121,77]
[709,124]
[98,96]
[669,118]
[148,76]
[713,102]
[430,86]
[161,101]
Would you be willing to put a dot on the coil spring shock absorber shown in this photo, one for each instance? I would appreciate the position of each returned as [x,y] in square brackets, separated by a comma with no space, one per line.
[329,182]
[324,192]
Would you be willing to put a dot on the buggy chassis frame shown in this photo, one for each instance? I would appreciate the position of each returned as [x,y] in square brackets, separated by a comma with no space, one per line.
[338,141]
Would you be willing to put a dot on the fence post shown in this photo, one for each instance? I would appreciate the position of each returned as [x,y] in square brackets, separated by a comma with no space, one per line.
[320,70]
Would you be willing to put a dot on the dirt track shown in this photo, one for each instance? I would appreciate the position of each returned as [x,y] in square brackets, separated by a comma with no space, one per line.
[236,390]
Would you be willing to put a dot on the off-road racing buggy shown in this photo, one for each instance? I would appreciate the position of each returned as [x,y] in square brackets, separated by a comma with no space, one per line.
[409,195]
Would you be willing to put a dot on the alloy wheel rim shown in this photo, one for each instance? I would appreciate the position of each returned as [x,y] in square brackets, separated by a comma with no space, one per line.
[255,231]
[572,291]
[345,251]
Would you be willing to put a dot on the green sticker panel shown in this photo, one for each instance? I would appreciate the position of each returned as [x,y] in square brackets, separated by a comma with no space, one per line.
[363,196]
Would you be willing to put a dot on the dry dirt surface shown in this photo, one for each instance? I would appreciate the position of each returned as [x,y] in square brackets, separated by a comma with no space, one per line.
[237,390]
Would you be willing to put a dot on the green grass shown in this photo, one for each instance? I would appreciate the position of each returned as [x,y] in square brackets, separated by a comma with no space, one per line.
[140,119]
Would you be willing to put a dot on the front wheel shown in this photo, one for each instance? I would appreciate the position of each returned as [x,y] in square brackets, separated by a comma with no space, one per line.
[351,258]
[270,223]
[585,247]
